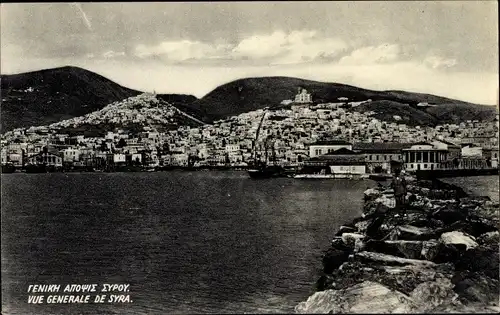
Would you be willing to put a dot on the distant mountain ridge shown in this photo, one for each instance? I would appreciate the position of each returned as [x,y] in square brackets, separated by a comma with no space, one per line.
[43,97]
[249,94]
[47,96]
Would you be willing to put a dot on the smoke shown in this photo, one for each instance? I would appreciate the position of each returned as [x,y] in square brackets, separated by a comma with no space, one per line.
[84,16]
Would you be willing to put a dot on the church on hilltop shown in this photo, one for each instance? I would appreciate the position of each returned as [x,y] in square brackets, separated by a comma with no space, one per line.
[303,97]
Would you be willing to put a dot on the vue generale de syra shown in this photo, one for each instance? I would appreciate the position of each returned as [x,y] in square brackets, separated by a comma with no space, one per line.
[78,288]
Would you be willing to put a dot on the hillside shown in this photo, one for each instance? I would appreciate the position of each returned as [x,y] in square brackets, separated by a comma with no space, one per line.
[249,94]
[46,96]
[386,110]
[131,114]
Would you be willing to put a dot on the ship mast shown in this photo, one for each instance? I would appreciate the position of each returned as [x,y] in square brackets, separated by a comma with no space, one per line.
[257,134]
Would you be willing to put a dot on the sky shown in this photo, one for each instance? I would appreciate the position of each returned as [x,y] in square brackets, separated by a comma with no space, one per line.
[446,48]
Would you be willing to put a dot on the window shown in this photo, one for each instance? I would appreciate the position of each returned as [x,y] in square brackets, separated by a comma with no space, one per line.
[371,157]
[431,159]
[385,157]
[377,157]
[425,165]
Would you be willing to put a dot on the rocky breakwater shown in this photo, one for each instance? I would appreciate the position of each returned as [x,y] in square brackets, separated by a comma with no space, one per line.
[441,256]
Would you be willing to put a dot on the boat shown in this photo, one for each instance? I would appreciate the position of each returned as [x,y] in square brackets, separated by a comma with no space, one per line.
[8,168]
[330,176]
[266,172]
[259,169]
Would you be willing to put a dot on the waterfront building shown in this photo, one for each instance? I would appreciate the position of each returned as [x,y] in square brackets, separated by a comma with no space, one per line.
[491,154]
[119,158]
[71,155]
[47,157]
[454,150]
[424,156]
[378,156]
[470,150]
[327,147]
[339,162]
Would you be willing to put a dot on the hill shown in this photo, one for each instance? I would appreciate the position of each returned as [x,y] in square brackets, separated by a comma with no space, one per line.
[46,96]
[249,94]
[131,114]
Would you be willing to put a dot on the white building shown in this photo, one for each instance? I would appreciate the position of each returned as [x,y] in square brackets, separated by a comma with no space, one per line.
[424,156]
[326,147]
[119,158]
[472,150]
[303,97]
[71,155]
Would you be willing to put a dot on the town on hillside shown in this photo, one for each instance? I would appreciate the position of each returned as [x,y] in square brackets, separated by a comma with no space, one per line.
[138,134]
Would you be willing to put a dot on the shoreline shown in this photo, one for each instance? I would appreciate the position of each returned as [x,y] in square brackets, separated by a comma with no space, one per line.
[442,256]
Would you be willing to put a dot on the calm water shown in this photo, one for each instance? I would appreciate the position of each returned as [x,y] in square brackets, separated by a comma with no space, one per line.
[201,242]
[478,185]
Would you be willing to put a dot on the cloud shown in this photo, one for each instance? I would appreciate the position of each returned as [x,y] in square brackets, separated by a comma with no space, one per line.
[181,50]
[294,47]
[439,62]
[274,48]
[112,54]
[373,55]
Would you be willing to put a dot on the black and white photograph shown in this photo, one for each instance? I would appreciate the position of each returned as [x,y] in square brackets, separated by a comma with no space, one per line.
[236,157]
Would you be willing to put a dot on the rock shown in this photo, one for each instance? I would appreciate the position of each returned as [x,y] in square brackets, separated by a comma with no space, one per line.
[390,259]
[349,239]
[458,238]
[388,191]
[359,245]
[489,238]
[362,226]
[430,250]
[333,259]
[431,294]
[410,232]
[324,282]
[401,278]
[372,230]
[366,297]
[371,194]
[480,259]
[475,287]
[405,249]
[449,214]
[387,201]
[346,229]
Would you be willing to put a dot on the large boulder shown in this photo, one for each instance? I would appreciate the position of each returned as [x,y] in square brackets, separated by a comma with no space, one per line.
[457,238]
[366,297]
